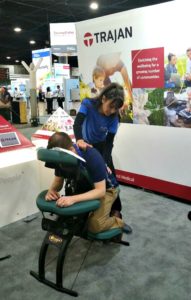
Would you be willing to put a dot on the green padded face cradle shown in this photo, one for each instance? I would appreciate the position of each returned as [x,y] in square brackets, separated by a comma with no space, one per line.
[57,157]
[52,158]
[73,210]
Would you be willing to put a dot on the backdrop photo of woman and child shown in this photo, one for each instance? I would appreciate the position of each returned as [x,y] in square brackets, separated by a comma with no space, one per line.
[168,106]
[109,68]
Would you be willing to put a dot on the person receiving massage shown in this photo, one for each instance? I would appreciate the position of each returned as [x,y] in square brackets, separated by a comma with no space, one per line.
[96,125]
[105,186]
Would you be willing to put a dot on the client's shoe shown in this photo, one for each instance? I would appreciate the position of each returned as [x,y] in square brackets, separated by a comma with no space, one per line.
[127,229]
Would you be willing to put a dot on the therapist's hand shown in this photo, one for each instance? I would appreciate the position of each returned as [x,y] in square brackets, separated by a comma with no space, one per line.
[83,145]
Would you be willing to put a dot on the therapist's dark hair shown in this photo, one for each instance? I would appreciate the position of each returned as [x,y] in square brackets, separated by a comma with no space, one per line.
[114,93]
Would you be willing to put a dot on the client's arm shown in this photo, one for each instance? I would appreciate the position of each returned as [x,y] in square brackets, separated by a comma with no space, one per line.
[56,186]
[97,193]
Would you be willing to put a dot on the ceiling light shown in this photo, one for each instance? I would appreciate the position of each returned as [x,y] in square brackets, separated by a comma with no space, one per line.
[94,5]
[55,60]
[8,57]
[16,61]
[32,42]
[17,29]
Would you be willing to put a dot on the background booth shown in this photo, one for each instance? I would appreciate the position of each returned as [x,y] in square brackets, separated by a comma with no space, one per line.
[152,145]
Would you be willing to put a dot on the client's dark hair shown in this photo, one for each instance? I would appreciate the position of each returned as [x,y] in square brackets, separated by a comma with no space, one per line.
[113,92]
[61,140]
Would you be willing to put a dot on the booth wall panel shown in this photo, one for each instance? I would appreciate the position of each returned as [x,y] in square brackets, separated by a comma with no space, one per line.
[144,153]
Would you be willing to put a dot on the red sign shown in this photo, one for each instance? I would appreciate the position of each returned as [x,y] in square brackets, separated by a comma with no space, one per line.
[148,68]
[12,138]
[88,39]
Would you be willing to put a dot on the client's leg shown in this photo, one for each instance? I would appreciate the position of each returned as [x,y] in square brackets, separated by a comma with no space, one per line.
[100,220]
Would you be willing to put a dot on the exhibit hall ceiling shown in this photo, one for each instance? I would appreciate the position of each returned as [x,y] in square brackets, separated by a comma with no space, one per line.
[32,18]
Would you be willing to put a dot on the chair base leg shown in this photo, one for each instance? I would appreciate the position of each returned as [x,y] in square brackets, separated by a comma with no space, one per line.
[124,243]
[54,285]
[5,257]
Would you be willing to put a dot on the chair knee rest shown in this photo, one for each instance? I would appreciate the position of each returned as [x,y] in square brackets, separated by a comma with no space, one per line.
[105,235]
[73,210]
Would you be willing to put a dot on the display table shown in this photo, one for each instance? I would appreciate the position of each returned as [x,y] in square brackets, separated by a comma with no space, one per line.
[19,185]
[22,176]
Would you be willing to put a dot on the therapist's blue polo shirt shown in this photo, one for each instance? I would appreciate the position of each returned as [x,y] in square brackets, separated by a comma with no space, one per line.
[96,126]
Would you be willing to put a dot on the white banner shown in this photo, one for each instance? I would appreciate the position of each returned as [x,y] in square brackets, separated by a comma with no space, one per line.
[61,71]
[63,38]
[44,71]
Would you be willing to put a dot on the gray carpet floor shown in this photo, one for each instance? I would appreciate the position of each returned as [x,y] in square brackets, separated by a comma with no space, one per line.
[156,266]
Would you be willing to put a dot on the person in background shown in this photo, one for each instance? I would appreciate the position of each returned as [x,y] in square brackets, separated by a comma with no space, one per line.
[49,100]
[60,96]
[96,125]
[40,95]
[187,79]
[16,94]
[105,187]
[5,96]
[98,77]
[171,66]
[188,106]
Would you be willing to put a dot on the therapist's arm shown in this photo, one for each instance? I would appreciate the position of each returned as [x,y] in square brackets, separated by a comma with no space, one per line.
[108,148]
[78,126]
[78,123]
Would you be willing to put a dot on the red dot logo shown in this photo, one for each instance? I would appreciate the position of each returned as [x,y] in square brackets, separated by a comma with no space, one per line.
[88,39]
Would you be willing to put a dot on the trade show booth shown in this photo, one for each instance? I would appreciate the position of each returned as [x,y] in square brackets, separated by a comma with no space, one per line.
[132,48]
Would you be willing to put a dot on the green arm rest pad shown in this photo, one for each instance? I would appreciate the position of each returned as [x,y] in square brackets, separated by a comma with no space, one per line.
[73,210]
[105,235]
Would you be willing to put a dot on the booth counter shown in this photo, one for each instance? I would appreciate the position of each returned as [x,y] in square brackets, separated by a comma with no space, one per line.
[19,185]
[22,177]
[154,158]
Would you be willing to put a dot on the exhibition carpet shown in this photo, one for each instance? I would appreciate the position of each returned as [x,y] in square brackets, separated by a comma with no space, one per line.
[156,266]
